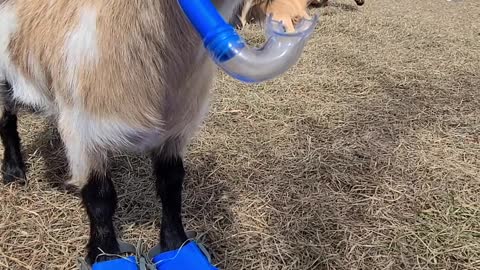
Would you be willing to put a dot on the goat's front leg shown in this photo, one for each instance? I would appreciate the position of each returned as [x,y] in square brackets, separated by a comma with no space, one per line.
[13,168]
[247,5]
[90,174]
[169,173]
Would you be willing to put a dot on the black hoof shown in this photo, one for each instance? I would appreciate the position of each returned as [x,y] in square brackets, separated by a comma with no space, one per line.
[14,174]
[71,189]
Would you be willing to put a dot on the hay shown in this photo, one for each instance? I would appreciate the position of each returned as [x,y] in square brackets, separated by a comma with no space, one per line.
[366,155]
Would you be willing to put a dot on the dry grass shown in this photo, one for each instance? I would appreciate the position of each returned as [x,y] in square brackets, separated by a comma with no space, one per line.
[365,156]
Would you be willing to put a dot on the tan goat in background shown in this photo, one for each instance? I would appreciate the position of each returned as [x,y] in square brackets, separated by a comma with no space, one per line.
[288,11]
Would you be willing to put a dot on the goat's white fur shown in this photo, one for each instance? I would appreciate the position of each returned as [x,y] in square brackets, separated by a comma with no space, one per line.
[28,92]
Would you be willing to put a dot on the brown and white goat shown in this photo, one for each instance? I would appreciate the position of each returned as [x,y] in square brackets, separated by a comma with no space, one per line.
[125,75]
[287,11]
[324,2]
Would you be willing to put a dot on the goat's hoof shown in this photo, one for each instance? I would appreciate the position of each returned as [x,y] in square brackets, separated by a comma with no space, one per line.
[72,186]
[13,173]
[71,189]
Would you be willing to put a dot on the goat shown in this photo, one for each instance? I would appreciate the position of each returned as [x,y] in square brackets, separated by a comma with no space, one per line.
[287,11]
[324,2]
[115,76]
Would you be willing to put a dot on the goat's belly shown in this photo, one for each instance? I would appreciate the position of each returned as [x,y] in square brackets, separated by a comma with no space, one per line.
[109,133]
[180,118]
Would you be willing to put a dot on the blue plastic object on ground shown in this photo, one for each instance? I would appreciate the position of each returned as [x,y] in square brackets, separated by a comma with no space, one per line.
[128,263]
[189,257]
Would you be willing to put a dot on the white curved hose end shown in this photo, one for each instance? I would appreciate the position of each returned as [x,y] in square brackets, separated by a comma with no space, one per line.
[281,51]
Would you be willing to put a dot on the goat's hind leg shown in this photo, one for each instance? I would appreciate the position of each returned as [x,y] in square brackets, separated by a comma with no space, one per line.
[100,201]
[90,174]
[13,168]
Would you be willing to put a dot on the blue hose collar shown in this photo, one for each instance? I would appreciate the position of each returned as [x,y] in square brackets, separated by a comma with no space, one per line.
[219,37]
[224,43]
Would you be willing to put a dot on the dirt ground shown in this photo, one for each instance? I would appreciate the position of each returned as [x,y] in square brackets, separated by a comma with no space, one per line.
[366,155]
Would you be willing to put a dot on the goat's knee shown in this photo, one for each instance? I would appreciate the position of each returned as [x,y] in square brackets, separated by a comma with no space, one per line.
[81,163]
[82,158]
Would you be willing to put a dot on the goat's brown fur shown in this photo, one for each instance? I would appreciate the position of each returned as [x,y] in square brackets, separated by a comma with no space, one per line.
[287,11]
[137,63]
[144,80]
